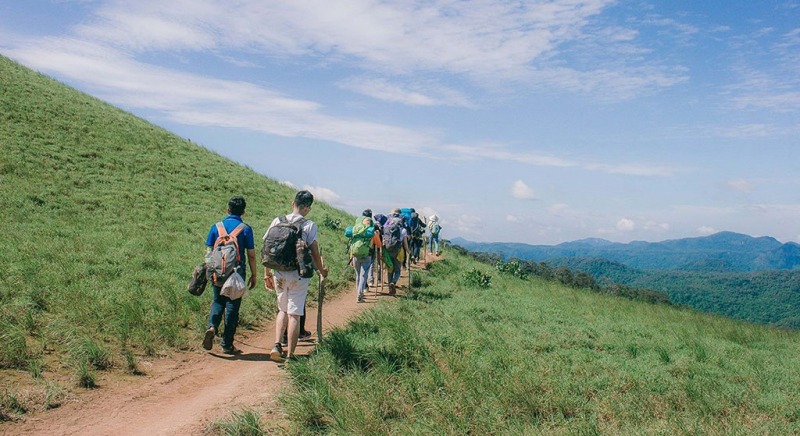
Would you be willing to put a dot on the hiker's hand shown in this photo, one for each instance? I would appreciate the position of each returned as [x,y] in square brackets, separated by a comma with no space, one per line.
[323,272]
[269,283]
[251,283]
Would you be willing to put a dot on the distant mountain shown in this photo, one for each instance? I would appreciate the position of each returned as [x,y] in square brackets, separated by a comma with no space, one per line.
[767,297]
[720,252]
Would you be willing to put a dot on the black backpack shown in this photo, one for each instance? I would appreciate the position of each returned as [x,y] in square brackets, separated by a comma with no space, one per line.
[393,233]
[284,249]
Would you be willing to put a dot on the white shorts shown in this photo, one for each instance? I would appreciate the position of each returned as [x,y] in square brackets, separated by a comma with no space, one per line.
[292,290]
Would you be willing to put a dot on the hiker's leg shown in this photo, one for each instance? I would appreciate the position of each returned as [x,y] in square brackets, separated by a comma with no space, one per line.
[231,321]
[280,326]
[371,272]
[283,306]
[293,333]
[363,270]
[217,308]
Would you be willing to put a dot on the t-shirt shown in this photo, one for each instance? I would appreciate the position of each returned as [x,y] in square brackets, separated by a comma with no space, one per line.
[244,239]
[309,228]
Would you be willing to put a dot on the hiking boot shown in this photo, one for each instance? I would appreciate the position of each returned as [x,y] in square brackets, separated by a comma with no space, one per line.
[231,350]
[208,339]
[392,288]
[360,299]
[304,336]
[277,353]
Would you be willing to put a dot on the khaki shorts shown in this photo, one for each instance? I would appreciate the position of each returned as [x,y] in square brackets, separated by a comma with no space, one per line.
[292,291]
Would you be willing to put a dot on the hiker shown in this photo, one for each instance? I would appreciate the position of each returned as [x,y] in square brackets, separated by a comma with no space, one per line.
[434,227]
[394,238]
[291,288]
[417,232]
[379,220]
[234,226]
[361,250]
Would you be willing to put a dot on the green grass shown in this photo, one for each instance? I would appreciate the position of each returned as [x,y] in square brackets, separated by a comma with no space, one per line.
[246,422]
[535,357]
[104,217]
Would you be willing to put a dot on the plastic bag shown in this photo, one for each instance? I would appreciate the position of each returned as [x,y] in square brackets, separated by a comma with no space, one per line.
[234,288]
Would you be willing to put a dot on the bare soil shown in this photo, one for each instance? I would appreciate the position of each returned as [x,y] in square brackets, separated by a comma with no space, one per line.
[185,393]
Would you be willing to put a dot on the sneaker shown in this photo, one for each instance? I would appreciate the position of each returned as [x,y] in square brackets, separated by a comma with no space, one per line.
[231,350]
[392,288]
[277,353]
[304,336]
[360,299]
[208,339]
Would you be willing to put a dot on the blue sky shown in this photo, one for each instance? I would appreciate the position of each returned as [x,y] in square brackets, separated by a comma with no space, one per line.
[538,122]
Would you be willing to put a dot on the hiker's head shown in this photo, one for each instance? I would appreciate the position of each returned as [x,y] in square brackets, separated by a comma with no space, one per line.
[395,211]
[303,200]
[367,212]
[236,205]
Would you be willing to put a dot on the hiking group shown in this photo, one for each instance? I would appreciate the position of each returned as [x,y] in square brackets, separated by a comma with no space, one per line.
[290,255]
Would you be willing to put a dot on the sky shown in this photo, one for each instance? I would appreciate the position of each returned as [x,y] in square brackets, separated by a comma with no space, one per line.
[518,121]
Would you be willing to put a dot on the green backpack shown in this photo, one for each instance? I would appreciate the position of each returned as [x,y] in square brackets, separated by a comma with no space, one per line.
[363,231]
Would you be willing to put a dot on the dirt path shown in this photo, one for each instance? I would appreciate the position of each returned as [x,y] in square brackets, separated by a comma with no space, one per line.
[183,394]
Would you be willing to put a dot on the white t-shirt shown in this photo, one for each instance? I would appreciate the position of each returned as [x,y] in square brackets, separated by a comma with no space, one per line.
[309,228]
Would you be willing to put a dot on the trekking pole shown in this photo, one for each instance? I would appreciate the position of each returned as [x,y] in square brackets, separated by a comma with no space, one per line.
[320,298]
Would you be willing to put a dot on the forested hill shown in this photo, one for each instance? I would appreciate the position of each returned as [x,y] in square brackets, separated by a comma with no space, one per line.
[765,297]
[720,252]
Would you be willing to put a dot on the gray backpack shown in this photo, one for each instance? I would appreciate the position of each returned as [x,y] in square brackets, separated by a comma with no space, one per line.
[224,257]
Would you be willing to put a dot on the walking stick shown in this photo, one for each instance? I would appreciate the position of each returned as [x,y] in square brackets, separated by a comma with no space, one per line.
[320,298]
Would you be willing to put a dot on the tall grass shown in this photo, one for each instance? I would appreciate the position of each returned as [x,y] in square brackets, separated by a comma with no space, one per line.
[104,217]
[535,357]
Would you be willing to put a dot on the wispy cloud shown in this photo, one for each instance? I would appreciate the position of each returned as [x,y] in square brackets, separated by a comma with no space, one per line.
[626,225]
[323,194]
[740,185]
[196,100]
[706,230]
[481,40]
[412,95]
[521,191]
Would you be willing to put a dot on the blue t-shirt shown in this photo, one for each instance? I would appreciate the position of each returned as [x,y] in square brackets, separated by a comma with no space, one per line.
[244,239]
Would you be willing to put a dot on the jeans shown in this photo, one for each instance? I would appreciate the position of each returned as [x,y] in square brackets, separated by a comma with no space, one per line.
[434,238]
[416,244]
[220,305]
[394,276]
[362,267]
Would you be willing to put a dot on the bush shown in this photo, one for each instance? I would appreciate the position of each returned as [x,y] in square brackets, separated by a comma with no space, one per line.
[513,267]
[475,277]
[244,423]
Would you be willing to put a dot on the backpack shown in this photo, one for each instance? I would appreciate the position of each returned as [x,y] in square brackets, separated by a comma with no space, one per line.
[417,229]
[435,228]
[280,251]
[224,258]
[362,234]
[393,233]
[197,284]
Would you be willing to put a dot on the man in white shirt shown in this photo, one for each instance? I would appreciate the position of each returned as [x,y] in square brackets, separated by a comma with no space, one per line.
[290,287]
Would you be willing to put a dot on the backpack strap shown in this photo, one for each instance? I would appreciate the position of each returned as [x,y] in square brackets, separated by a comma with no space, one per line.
[221,230]
[239,229]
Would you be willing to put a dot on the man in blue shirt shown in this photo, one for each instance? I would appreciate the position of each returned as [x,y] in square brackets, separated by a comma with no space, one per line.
[221,303]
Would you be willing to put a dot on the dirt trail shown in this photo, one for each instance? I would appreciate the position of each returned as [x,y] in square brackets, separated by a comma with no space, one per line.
[183,394]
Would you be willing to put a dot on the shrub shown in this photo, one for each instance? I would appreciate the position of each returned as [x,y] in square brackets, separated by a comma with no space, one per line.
[475,277]
[513,267]
[244,423]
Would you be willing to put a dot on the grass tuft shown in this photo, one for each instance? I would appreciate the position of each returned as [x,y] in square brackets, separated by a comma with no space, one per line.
[246,422]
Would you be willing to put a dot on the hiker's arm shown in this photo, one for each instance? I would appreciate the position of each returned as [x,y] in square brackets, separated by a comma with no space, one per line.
[251,259]
[269,280]
[318,259]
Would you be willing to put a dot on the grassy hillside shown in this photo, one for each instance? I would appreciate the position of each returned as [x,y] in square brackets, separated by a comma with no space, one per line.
[534,357]
[104,216]
[767,297]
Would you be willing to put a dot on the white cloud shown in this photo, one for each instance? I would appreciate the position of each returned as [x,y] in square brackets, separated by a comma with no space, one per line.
[513,219]
[411,95]
[469,224]
[656,226]
[521,191]
[705,230]
[558,207]
[483,40]
[740,185]
[634,169]
[626,225]
[323,194]
[289,184]
[196,100]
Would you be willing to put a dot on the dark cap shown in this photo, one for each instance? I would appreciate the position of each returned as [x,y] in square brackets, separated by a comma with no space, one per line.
[367,212]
